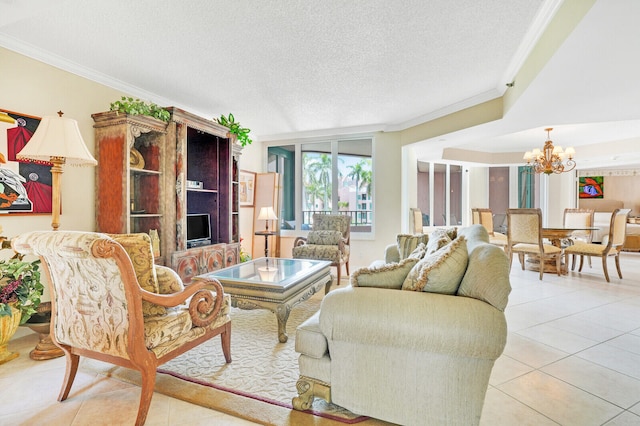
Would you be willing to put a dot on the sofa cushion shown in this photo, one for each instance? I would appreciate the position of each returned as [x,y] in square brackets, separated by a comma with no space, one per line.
[487,276]
[309,339]
[390,275]
[440,272]
[407,243]
[324,237]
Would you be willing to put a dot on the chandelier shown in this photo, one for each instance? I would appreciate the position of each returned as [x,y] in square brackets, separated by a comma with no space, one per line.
[551,158]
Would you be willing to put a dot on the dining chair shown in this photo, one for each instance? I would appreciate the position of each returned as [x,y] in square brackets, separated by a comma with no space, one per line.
[484,217]
[611,245]
[416,220]
[524,236]
[578,218]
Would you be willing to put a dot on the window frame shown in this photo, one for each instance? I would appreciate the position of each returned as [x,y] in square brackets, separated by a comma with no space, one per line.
[334,143]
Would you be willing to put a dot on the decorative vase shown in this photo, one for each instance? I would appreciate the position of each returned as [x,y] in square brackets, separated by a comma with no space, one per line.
[8,327]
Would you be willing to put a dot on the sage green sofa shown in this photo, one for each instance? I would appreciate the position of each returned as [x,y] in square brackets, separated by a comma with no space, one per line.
[411,357]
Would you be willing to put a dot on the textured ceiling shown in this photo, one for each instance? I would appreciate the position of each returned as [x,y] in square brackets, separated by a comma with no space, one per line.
[291,68]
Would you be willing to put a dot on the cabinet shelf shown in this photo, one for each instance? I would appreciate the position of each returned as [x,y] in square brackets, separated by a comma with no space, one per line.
[135,171]
[211,191]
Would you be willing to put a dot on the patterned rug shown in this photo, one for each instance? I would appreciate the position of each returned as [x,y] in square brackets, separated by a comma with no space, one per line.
[258,384]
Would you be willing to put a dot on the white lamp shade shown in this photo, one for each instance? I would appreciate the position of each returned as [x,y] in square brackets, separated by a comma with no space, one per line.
[267,213]
[57,137]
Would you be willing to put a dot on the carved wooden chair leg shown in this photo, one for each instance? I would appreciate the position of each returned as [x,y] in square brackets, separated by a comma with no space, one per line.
[148,383]
[618,265]
[604,267]
[72,368]
[225,337]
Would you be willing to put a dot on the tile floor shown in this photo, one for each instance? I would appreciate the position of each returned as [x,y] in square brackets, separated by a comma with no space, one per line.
[572,358]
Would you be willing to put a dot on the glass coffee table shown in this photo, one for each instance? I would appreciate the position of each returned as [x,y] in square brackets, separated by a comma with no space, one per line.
[274,284]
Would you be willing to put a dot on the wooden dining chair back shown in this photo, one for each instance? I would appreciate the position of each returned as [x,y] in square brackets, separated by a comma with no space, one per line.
[578,218]
[484,217]
[524,237]
[416,220]
[611,244]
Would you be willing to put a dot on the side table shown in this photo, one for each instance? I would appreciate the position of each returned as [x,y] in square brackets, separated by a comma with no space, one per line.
[266,234]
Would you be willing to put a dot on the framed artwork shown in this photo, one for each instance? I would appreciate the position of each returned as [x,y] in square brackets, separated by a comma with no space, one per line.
[25,185]
[591,187]
[246,190]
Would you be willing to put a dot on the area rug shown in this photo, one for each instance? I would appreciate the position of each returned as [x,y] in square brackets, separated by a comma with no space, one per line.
[258,384]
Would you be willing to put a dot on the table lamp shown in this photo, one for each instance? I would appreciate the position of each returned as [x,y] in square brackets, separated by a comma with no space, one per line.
[57,140]
[267,214]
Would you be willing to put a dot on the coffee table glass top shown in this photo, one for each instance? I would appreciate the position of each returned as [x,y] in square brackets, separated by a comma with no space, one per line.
[270,271]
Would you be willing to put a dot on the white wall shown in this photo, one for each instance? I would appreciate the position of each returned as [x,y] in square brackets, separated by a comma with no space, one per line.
[33,88]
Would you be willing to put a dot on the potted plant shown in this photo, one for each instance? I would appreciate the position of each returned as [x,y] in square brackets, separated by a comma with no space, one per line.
[242,133]
[20,287]
[20,293]
[132,106]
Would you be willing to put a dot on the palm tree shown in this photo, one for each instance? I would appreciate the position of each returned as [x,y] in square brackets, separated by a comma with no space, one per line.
[320,167]
[358,172]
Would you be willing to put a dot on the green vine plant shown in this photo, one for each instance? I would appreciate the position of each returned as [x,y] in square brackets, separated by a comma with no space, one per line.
[137,107]
[242,133]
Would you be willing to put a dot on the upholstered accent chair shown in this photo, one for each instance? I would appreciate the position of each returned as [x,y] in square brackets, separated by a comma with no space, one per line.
[329,240]
[484,217]
[578,218]
[611,245]
[524,236]
[111,303]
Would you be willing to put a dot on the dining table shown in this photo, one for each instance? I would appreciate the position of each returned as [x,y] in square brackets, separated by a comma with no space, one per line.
[555,235]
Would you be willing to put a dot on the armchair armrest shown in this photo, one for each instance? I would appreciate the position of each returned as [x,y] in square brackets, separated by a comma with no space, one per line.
[204,306]
[418,321]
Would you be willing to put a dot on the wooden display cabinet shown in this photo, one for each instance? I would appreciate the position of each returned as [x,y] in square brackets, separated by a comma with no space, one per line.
[133,177]
[207,156]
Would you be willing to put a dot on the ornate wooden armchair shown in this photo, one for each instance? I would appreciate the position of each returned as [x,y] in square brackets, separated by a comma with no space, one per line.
[108,304]
[329,240]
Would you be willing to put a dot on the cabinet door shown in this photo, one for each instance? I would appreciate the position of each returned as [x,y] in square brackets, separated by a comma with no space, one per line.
[187,264]
[212,258]
[232,253]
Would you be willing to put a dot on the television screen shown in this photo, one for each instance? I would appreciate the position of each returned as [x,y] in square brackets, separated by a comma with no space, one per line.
[198,227]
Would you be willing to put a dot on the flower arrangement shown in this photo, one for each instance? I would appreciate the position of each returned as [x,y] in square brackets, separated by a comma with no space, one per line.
[20,286]
[244,256]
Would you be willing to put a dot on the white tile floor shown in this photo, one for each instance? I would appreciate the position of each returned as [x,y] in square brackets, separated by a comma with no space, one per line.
[572,358]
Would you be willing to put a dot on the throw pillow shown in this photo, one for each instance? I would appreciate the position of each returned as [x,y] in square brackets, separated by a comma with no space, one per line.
[437,240]
[440,272]
[407,243]
[138,247]
[391,275]
[327,238]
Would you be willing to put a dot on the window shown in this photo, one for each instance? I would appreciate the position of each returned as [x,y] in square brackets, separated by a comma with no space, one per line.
[334,176]
[440,194]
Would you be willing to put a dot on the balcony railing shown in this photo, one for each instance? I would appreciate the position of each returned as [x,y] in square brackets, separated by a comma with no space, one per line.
[358,217]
